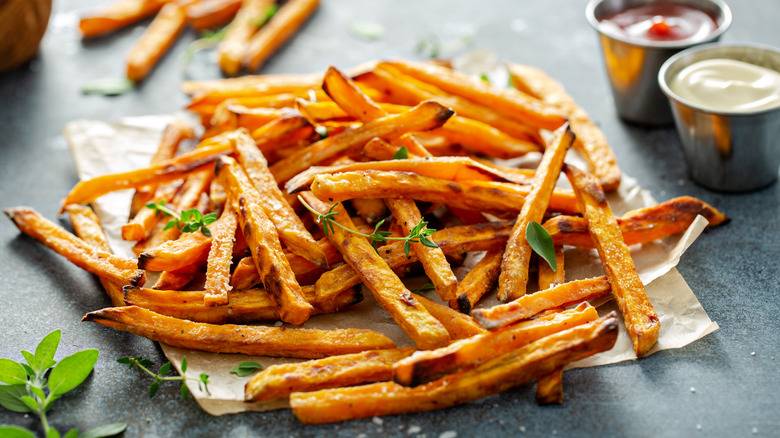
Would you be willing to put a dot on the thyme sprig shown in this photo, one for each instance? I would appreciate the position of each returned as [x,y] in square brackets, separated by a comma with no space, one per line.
[418,234]
[190,220]
[142,365]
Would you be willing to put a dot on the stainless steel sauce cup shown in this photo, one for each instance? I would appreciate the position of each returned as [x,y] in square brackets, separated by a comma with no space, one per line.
[726,150]
[632,66]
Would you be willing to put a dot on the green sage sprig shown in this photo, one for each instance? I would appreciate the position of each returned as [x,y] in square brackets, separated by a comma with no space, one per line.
[541,243]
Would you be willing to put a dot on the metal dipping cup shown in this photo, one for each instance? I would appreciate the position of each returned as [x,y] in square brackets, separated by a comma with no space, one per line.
[632,66]
[726,150]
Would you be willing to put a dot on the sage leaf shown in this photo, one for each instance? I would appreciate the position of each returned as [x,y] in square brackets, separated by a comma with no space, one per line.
[12,372]
[246,368]
[541,243]
[44,352]
[11,398]
[29,402]
[71,371]
[104,431]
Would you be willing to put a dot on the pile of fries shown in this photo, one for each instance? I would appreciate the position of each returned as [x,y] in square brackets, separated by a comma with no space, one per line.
[301,168]
[255,28]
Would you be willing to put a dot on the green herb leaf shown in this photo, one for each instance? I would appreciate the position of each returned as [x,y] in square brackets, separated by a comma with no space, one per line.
[108,86]
[12,372]
[11,398]
[484,77]
[541,243]
[153,389]
[71,371]
[401,154]
[184,391]
[52,433]
[246,368]
[44,352]
[15,432]
[184,364]
[269,13]
[424,288]
[73,433]
[322,131]
[29,402]
[366,30]
[165,369]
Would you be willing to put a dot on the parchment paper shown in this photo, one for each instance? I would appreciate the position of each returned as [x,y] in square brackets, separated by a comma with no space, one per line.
[100,148]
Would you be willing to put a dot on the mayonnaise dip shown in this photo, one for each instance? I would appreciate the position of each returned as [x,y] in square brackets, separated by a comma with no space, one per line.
[728,85]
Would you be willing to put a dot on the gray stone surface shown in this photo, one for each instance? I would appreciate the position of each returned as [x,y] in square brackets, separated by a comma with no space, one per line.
[733,269]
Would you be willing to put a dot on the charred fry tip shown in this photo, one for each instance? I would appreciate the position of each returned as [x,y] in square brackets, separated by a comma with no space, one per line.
[609,323]
[464,304]
[144,259]
[139,278]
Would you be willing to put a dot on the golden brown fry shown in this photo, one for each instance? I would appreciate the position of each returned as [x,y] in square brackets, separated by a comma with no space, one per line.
[453,240]
[118,15]
[458,325]
[485,196]
[427,366]
[173,135]
[549,278]
[640,318]
[176,280]
[549,388]
[288,225]
[217,90]
[332,372]
[639,226]
[479,281]
[529,305]
[220,258]
[263,240]
[497,375]
[201,158]
[424,116]
[146,219]
[156,40]
[387,288]
[229,338]
[103,264]
[371,210]
[513,280]
[244,306]
[208,14]
[87,227]
[277,31]
[590,141]
[232,48]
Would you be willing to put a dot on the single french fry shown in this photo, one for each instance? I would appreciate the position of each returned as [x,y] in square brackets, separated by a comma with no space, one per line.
[156,40]
[384,285]
[87,227]
[283,25]
[509,102]
[513,280]
[146,219]
[549,388]
[424,116]
[117,15]
[178,279]
[229,338]
[244,306]
[174,134]
[231,50]
[640,318]
[478,281]
[208,106]
[220,258]
[484,196]
[115,269]
[263,240]
[639,226]
[217,90]
[458,325]
[529,305]
[427,366]
[208,14]
[453,240]
[176,168]
[332,372]
[288,225]
[378,150]
[549,278]
[590,141]
[497,375]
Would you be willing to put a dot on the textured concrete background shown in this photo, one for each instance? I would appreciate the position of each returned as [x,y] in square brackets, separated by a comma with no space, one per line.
[733,269]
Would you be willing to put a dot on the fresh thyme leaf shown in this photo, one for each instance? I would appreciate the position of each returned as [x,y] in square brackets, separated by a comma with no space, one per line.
[108,86]
[424,288]
[142,365]
[484,77]
[165,369]
[366,30]
[246,368]
[401,154]
[209,39]
[184,364]
[541,243]
[188,222]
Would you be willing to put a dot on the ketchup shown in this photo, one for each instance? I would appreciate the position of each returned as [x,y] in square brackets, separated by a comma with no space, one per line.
[665,21]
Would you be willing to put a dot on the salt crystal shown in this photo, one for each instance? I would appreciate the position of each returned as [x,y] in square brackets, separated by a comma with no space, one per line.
[278,324]
[448,434]
[378,421]
[693,389]
[522,429]
[753,353]
[414,429]
[698,427]
[754,430]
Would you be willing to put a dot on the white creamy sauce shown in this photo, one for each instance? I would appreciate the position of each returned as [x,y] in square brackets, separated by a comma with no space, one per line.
[728,85]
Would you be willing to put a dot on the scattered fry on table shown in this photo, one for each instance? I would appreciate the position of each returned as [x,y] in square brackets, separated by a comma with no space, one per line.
[280,28]
[156,40]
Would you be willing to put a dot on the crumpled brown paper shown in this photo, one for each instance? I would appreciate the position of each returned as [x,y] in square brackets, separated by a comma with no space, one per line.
[99,148]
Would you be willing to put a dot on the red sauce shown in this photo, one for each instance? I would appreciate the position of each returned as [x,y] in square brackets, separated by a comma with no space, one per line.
[665,21]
